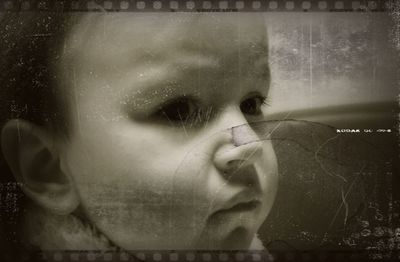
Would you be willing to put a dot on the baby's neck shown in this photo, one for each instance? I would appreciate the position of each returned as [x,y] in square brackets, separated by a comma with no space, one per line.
[47,231]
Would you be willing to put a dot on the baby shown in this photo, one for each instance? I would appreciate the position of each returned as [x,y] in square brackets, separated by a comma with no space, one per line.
[124,134]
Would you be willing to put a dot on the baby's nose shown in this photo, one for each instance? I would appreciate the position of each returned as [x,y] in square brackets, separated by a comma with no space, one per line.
[234,121]
[229,157]
[244,149]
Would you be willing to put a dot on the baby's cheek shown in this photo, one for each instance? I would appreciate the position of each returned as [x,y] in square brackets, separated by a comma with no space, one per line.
[134,196]
[268,174]
[127,212]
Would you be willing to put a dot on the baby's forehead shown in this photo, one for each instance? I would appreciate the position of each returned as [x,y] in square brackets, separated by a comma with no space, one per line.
[218,57]
[157,34]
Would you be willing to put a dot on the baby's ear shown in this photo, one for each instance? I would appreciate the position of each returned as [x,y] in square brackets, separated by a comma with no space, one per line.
[31,152]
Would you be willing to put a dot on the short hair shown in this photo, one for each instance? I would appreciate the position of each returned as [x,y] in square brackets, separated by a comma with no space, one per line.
[30,48]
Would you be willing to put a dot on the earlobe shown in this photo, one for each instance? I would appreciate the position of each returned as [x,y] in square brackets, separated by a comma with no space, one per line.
[31,153]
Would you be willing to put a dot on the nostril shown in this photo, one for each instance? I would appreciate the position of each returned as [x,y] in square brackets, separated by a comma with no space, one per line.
[235,164]
[230,163]
[245,175]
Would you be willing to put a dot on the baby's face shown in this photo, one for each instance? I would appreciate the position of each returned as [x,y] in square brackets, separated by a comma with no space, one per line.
[153,155]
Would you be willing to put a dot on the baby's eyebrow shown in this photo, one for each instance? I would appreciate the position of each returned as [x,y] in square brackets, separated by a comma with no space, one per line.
[166,74]
[156,92]
[182,58]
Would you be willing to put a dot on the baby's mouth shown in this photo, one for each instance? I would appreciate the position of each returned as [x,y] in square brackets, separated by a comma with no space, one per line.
[247,200]
[240,207]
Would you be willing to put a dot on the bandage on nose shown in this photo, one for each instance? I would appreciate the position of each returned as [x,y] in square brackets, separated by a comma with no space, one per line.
[278,130]
[249,133]
[256,131]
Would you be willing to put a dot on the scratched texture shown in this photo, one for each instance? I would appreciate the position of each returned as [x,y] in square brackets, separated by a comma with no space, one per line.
[324,60]
[341,70]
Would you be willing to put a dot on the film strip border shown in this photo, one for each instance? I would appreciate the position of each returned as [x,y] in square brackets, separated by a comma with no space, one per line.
[199,5]
[217,256]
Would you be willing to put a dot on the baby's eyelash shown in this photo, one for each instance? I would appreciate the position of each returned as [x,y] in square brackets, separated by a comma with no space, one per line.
[266,101]
[188,111]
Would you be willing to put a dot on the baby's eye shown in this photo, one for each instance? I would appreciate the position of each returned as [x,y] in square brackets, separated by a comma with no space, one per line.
[253,105]
[179,110]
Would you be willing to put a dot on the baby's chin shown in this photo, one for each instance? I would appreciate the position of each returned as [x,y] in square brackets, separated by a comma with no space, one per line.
[256,244]
[240,239]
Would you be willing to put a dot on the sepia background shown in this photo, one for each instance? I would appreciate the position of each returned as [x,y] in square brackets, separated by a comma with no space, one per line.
[339,69]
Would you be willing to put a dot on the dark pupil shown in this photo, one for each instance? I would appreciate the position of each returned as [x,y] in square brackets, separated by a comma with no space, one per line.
[177,111]
[250,106]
